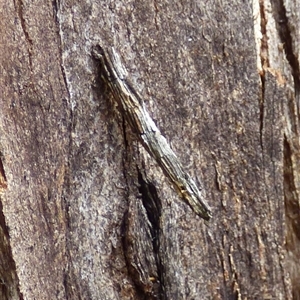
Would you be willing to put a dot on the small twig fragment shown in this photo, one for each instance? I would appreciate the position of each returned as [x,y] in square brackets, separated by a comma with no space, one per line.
[113,74]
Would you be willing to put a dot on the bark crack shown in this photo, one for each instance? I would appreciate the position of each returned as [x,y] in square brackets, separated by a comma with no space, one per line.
[292,207]
[153,206]
[261,109]
[3,180]
[8,274]
[285,34]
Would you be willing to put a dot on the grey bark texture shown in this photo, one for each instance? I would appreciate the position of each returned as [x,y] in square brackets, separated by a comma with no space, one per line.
[86,213]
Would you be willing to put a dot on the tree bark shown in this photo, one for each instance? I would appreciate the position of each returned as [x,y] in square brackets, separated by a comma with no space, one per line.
[86,213]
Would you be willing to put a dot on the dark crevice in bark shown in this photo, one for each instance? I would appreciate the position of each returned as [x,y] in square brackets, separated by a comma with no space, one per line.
[261,110]
[153,206]
[291,195]
[286,36]
[289,182]
[140,290]
[8,273]
[292,213]
[131,242]
[73,288]
[133,258]
[55,10]
[3,181]
[141,242]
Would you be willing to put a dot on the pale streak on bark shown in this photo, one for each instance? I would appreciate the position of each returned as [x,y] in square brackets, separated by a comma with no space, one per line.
[113,74]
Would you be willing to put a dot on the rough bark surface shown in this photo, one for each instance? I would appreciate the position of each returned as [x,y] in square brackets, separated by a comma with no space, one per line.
[86,213]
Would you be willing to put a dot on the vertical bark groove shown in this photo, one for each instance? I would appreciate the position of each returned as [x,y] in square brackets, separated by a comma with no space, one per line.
[284,30]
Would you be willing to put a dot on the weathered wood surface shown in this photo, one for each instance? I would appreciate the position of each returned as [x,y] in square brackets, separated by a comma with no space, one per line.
[87,213]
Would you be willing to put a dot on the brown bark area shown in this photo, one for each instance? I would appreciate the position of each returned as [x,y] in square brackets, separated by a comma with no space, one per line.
[35,129]
[87,214]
